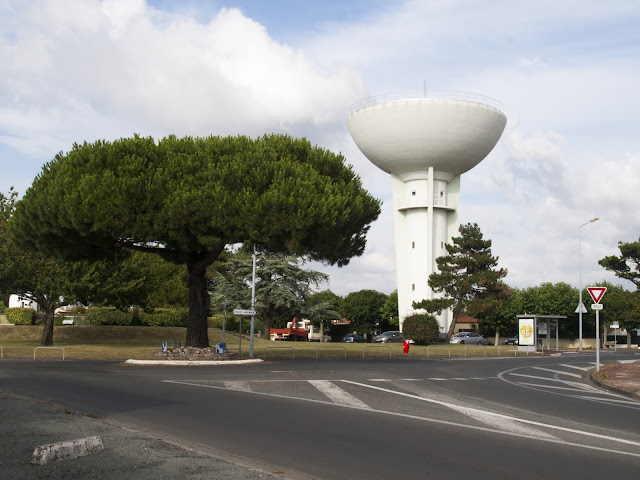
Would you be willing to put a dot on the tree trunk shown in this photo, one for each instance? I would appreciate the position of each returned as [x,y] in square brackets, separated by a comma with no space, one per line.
[452,327]
[497,342]
[628,338]
[47,331]
[267,321]
[197,333]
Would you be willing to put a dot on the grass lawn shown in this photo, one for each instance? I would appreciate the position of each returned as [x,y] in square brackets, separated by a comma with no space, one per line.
[121,343]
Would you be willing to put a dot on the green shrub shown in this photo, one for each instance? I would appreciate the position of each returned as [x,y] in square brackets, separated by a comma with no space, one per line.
[21,316]
[421,328]
[109,316]
[165,317]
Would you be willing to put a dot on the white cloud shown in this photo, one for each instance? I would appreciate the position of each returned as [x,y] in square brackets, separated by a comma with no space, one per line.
[75,70]
[123,63]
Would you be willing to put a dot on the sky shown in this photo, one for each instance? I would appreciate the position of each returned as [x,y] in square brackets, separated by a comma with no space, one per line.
[565,70]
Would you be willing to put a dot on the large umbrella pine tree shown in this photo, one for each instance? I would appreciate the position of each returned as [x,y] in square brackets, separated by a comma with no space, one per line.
[188,198]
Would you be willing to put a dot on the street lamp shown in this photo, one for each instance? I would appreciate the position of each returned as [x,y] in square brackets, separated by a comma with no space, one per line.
[580,263]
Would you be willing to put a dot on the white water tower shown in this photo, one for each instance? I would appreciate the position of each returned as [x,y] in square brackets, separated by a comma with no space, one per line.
[425,143]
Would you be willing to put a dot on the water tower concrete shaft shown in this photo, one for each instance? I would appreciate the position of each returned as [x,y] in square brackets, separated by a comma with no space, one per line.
[425,144]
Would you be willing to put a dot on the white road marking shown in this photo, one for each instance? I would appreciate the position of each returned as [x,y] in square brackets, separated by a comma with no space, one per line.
[540,385]
[239,386]
[459,378]
[559,372]
[628,361]
[575,384]
[520,420]
[584,369]
[438,379]
[610,400]
[337,395]
[444,422]
[379,380]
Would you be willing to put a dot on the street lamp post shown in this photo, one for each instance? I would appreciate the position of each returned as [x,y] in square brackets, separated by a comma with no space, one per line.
[580,274]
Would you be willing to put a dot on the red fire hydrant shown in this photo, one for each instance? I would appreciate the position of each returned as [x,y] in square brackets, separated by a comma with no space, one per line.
[406,346]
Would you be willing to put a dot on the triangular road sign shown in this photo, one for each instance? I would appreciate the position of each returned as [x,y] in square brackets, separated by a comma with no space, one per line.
[597,293]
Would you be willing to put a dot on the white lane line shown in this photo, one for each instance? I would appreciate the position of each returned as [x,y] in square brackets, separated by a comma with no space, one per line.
[459,378]
[337,395]
[438,379]
[239,386]
[584,369]
[379,379]
[515,419]
[559,372]
[411,379]
[434,420]
[610,401]
[546,379]
[540,385]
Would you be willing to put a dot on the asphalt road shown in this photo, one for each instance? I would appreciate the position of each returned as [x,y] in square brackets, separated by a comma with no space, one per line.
[349,419]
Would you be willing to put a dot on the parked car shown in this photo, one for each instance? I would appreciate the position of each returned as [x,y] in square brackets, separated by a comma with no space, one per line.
[469,338]
[389,337]
[441,337]
[353,338]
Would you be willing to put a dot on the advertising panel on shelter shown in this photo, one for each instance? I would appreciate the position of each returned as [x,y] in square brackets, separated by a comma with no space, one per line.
[525,331]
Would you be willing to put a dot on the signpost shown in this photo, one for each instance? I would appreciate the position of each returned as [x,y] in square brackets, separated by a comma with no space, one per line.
[597,293]
[242,312]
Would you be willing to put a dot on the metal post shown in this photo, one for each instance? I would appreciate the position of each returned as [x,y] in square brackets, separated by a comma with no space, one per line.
[224,318]
[597,340]
[580,292]
[253,303]
[240,337]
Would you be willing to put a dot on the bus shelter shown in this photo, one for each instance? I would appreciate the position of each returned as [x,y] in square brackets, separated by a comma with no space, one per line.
[534,327]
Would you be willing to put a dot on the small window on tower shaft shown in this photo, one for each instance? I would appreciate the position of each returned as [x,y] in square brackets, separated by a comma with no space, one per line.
[441,244]
[413,286]
[413,193]
[441,194]
[413,244]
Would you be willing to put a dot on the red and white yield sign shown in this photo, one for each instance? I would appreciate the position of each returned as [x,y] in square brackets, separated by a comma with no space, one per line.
[597,293]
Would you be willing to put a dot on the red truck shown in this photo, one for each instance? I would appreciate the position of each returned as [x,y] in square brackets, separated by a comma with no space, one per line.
[295,331]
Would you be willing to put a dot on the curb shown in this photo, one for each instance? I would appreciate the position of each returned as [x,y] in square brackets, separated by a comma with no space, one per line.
[609,388]
[192,362]
[54,452]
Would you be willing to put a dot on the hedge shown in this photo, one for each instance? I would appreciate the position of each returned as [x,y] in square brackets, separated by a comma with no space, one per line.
[421,328]
[21,316]
[109,316]
[165,317]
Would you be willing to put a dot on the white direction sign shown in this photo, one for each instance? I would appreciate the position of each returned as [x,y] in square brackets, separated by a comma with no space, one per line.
[614,325]
[597,293]
[239,311]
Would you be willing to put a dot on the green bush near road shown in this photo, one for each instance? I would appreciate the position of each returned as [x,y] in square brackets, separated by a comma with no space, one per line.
[21,316]
[421,328]
[165,317]
[109,316]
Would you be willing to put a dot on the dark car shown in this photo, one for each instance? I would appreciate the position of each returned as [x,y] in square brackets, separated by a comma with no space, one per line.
[353,338]
[389,337]
[441,337]
[514,341]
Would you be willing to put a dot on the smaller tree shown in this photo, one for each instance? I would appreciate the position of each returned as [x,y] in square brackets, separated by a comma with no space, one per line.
[363,309]
[421,328]
[621,306]
[282,285]
[389,311]
[627,265]
[467,272]
[496,310]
